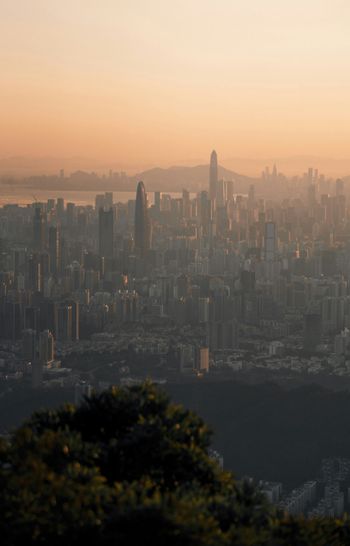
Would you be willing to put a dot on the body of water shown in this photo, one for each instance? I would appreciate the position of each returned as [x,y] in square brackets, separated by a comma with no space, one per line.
[25,196]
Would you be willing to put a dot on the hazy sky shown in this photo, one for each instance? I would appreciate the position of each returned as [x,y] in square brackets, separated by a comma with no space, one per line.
[159,81]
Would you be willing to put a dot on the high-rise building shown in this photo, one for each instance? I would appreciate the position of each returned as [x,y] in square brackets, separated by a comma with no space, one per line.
[51,203]
[229,190]
[34,273]
[11,320]
[99,202]
[46,347]
[71,214]
[223,335]
[108,199]
[186,204]
[157,201]
[213,175]
[221,193]
[311,195]
[39,229]
[75,319]
[142,223]
[274,173]
[187,358]
[251,196]
[339,187]
[29,345]
[202,359]
[60,208]
[54,249]
[104,201]
[270,241]
[31,318]
[106,233]
[205,207]
[310,175]
[64,322]
[248,281]
[44,260]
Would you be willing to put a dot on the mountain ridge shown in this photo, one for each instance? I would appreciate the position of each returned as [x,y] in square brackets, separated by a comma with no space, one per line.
[195,177]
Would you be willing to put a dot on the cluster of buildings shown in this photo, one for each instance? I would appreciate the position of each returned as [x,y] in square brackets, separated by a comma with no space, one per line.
[299,499]
[219,280]
[326,496]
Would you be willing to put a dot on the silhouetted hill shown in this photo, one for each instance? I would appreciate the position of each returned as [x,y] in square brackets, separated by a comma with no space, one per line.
[194,178]
[268,432]
[19,166]
[23,166]
[42,173]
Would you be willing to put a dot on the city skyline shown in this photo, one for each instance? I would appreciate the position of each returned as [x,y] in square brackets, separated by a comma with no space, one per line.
[175,272]
[226,285]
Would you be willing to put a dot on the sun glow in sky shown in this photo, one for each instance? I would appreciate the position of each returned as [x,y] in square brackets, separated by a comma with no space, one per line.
[160,81]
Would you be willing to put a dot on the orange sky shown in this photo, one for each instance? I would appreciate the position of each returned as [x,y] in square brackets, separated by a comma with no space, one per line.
[160,81]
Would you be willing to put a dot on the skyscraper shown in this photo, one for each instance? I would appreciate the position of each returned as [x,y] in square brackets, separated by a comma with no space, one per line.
[106,233]
[221,193]
[75,319]
[54,249]
[270,241]
[213,175]
[29,345]
[60,208]
[71,214]
[39,229]
[46,347]
[205,211]
[157,201]
[142,223]
[34,273]
[64,322]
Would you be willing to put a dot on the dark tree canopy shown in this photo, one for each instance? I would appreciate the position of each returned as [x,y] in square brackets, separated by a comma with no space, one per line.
[129,467]
[133,433]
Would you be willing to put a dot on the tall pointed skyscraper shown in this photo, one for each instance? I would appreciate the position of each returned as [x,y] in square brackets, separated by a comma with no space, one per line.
[142,223]
[213,175]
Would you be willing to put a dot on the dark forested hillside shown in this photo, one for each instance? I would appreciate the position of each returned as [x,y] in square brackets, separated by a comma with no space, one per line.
[269,432]
[263,430]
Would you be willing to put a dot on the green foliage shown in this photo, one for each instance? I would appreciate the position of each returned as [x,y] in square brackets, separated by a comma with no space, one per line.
[128,467]
[137,432]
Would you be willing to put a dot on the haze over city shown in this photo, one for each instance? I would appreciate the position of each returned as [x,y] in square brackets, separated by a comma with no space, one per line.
[175,273]
[141,84]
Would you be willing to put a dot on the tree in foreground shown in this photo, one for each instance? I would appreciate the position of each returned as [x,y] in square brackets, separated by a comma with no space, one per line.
[129,467]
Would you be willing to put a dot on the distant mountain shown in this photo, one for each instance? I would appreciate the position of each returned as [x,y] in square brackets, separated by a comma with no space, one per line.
[19,166]
[22,166]
[78,175]
[194,178]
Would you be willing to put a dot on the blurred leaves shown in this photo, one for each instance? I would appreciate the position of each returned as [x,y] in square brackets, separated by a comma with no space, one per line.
[129,467]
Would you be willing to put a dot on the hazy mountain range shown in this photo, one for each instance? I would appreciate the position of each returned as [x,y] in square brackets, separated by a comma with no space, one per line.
[194,178]
[165,179]
[291,165]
